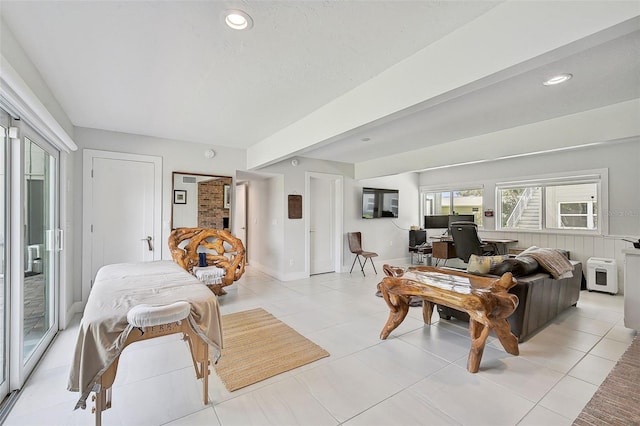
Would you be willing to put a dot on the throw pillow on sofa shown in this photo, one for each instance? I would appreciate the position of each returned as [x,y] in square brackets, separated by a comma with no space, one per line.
[518,266]
[483,264]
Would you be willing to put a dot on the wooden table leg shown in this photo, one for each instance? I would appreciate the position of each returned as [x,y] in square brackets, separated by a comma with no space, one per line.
[203,357]
[102,397]
[479,333]
[508,340]
[398,310]
[427,311]
[200,357]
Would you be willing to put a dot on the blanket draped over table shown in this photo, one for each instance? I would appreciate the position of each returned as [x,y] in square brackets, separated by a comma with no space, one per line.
[117,288]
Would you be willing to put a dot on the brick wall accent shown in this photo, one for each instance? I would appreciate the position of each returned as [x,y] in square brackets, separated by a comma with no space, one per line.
[211,211]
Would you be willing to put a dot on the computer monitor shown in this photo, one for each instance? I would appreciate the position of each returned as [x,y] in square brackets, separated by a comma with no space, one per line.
[436,221]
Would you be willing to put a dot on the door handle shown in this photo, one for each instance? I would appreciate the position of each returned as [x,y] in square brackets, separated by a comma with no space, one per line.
[148,240]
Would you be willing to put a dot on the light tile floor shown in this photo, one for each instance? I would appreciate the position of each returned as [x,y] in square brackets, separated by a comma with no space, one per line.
[418,376]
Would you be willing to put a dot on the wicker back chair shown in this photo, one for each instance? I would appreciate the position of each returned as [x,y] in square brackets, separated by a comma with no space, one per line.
[221,249]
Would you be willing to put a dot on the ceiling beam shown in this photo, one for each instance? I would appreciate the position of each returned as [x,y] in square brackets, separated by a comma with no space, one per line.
[601,125]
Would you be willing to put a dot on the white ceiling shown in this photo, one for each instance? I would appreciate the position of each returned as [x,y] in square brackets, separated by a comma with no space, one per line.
[171,69]
[604,74]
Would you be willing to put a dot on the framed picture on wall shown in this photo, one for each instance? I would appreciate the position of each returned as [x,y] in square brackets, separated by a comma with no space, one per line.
[226,201]
[179,196]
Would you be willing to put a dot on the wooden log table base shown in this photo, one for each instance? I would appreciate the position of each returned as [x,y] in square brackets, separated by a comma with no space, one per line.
[485,299]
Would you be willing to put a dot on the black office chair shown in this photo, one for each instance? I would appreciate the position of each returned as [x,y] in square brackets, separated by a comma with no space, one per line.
[355,246]
[467,242]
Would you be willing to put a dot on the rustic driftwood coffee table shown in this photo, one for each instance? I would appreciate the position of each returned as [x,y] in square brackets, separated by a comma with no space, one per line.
[485,299]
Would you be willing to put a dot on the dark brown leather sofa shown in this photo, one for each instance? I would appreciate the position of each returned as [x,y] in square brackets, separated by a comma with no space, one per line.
[541,299]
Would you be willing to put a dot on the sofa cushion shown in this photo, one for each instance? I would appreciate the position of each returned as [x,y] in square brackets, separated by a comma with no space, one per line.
[483,264]
[518,266]
[553,261]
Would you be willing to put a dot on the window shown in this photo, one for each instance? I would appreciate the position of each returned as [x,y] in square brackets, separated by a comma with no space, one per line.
[577,215]
[453,201]
[549,204]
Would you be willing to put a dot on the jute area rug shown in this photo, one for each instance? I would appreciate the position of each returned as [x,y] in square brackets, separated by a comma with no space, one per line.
[617,400]
[258,346]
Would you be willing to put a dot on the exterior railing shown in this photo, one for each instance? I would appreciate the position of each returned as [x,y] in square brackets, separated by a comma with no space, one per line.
[520,206]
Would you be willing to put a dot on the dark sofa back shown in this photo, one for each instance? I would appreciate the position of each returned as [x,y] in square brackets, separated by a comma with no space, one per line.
[541,299]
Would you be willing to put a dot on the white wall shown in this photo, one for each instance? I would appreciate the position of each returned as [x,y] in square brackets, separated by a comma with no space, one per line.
[293,237]
[176,156]
[388,237]
[621,159]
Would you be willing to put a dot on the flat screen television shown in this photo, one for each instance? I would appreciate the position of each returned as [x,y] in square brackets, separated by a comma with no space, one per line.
[437,221]
[377,203]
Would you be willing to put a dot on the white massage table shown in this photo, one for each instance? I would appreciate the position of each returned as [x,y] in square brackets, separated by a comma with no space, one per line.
[130,302]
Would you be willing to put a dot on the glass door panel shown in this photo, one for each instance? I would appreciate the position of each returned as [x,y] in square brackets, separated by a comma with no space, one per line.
[39,245]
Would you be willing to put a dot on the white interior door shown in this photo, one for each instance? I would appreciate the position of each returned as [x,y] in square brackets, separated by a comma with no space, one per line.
[240,216]
[122,205]
[322,225]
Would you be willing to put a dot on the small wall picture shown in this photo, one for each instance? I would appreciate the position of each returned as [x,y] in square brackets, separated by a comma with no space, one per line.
[227,201]
[179,196]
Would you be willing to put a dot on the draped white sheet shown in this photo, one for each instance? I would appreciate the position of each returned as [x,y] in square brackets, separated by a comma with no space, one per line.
[118,288]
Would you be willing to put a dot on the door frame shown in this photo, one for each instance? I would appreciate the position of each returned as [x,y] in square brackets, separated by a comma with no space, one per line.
[88,155]
[20,369]
[338,186]
[236,224]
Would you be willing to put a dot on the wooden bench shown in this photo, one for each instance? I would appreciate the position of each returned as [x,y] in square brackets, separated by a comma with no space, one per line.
[221,249]
[486,300]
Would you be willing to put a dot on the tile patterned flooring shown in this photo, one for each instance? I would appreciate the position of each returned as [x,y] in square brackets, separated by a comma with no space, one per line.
[418,376]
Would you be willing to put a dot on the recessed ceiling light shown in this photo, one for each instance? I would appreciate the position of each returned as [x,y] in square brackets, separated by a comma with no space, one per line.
[558,79]
[238,20]
[365,139]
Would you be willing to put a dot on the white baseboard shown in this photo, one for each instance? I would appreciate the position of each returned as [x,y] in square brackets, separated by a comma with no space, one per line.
[291,276]
[266,270]
[75,308]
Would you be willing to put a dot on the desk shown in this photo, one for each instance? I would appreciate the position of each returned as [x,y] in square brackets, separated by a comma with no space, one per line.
[501,243]
[444,250]
[486,300]
[421,251]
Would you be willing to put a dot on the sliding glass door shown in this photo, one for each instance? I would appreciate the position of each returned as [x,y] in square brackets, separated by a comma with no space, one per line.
[29,250]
